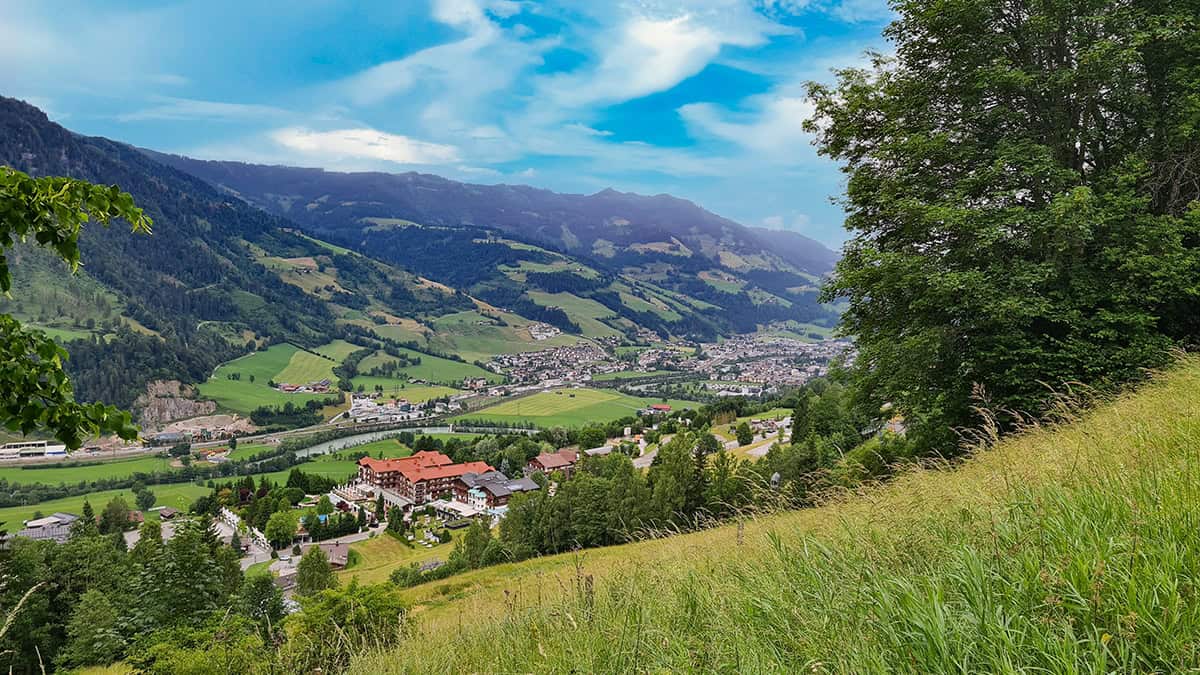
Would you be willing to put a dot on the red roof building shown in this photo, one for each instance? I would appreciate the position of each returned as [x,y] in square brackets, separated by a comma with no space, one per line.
[420,477]
[549,462]
[660,407]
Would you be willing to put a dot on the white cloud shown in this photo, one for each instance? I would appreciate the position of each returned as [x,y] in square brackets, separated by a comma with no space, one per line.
[483,62]
[364,143]
[773,130]
[193,109]
[646,54]
[585,129]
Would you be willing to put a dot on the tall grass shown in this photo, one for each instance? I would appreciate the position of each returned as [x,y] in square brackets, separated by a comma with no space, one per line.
[1074,548]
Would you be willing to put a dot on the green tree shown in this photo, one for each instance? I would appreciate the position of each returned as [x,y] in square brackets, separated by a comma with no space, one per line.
[261,600]
[35,392]
[314,574]
[671,479]
[281,528]
[86,525]
[115,516]
[149,544]
[469,550]
[93,636]
[1022,196]
[744,435]
[324,505]
[363,617]
[144,499]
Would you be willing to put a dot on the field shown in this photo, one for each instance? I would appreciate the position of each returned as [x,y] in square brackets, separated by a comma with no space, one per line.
[83,471]
[431,368]
[305,367]
[630,375]
[177,495]
[416,393]
[337,350]
[384,553]
[243,395]
[1065,549]
[568,407]
[583,311]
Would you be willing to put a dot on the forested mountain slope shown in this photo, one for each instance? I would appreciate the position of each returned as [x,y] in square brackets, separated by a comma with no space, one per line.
[205,286]
[738,277]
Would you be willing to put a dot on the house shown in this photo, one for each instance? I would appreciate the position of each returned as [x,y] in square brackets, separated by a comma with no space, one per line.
[167,513]
[660,408]
[419,478]
[490,490]
[338,554]
[55,527]
[549,462]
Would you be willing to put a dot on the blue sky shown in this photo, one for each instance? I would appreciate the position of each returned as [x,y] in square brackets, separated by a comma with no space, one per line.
[702,99]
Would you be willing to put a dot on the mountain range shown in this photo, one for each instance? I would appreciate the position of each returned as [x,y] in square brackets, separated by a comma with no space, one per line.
[246,255]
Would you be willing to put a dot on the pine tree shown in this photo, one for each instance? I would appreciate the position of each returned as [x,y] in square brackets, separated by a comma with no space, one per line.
[314,574]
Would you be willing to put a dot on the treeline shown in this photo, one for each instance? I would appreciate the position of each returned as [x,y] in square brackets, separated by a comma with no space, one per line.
[176,606]
[1003,244]
[566,282]
[290,416]
[514,299]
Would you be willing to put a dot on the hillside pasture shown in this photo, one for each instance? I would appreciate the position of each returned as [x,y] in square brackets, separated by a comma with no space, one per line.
[305,367]
[432,369]
[568,407]
[1069,548]
[583,311]
[242,395]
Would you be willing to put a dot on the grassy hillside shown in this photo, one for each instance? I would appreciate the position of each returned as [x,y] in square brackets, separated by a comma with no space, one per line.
[1069,549]
[568,407]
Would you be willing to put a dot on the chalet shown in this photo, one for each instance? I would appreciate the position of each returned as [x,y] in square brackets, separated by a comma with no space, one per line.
[490,490]
[418,478]
[549,462]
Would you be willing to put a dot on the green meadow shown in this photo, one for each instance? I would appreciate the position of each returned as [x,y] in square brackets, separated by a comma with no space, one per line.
[569,407]
[80,472]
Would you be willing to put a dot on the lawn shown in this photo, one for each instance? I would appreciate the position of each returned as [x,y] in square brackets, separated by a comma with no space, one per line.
[384,553]
[249,450]
[772,414]
[337,350]
[242,395]
[416,393]
[305,367]
[83,471]
[569,407]
[176,495]
[386,448]
[631,375]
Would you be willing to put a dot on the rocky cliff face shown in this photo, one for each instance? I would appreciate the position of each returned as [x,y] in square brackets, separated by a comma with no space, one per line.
[166,401]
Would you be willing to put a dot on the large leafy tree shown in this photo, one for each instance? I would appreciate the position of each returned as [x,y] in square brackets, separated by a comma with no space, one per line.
[35,393]
[1022,194]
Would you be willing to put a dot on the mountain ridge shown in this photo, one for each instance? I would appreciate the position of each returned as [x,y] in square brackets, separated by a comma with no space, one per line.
[245,179]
